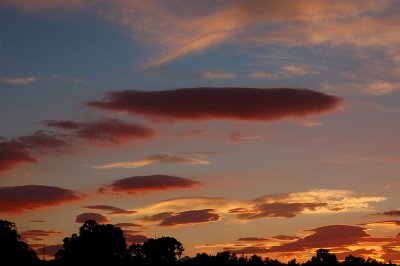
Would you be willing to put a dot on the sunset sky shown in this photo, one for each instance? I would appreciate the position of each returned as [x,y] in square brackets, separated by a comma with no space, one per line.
[267,127]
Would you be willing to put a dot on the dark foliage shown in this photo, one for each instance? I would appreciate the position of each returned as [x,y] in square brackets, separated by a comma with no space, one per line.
[104,244]
[96,244]
[13,251]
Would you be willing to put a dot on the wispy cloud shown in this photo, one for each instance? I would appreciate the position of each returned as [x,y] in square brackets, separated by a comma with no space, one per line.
[294,70]
[309,123]
[20,80]
[154,159]
[263,75]
[308,23]
[214,75]
[239,137]
[382,87]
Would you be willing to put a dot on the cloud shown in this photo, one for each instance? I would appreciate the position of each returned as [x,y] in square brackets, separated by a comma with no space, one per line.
[112,210]
[292,204]
[41,5]
[37,221]
[239,137]
[286,210]
[20,81]
[38,235]
[103,131]
[325,237]
[213,75]
[285,237]
[154,159]
[25,149]
[99,218]
[286,205]
[160,24]
[312,123]
[11,156]
[382,87]
[136,184]
[384,223]
[253,239]
[363,253]
[395,213]
[221,103]
[343,240]
[263,75]
[19,199]
[293,70]
[184,218]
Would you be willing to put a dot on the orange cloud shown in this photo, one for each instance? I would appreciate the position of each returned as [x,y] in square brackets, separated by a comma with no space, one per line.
[19,199]
[221,103]
[325,237]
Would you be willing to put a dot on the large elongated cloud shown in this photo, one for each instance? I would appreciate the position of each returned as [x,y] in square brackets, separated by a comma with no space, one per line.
[184,218]
[136,184]
[325,237]
[221,103]
[23,198]
[286,205]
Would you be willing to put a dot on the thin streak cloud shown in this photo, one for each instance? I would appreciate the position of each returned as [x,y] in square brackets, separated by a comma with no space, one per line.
[154,159]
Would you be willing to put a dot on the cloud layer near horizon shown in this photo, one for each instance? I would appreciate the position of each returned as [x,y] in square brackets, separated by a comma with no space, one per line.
[221,103]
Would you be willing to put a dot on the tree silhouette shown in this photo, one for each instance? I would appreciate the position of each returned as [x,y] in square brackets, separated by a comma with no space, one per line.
[324,257]
[13,251]
[101,244]
[104,244]
[162,251]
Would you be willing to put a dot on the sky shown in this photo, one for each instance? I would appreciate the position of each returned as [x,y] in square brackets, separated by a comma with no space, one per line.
[266,127]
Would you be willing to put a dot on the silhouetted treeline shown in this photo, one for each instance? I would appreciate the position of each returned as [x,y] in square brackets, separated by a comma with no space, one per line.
[104,244]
